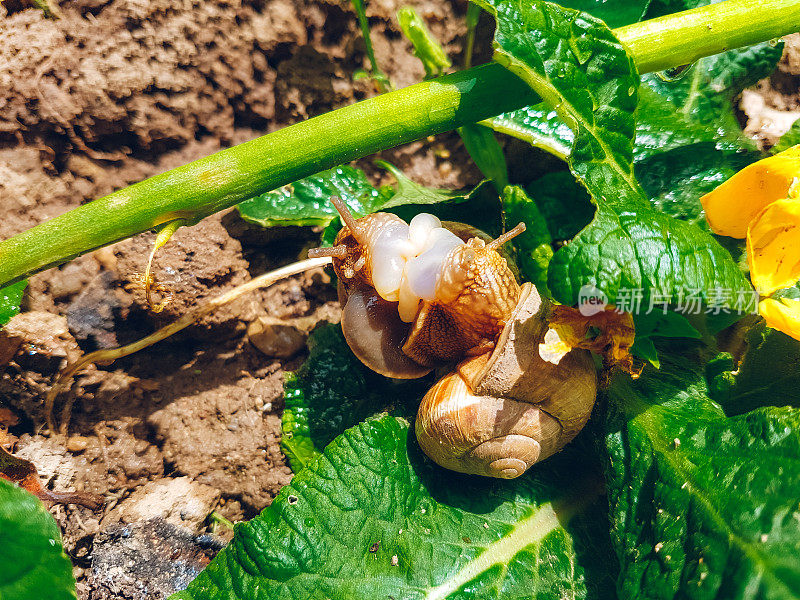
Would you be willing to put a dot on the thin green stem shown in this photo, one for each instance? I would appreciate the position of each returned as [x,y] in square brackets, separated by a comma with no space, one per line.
[382,80]
[215,517]
[473,14]
[223,179]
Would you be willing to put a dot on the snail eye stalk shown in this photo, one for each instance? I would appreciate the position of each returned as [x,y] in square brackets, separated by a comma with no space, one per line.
[348,218]
[339,251]
[506,237]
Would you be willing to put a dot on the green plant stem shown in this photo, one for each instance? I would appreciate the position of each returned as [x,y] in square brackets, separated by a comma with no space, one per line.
[221,180]
[375,72]
[683,38]
[473,14]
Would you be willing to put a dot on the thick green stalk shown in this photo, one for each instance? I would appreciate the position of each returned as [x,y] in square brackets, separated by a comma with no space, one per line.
[223,179]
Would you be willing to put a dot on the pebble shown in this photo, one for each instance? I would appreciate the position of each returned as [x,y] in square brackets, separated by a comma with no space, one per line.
[77,443]
[273,337]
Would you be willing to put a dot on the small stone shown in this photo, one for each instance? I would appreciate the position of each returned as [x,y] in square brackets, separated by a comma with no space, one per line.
[180,501]
[148,560]
[77,443]
[273,337]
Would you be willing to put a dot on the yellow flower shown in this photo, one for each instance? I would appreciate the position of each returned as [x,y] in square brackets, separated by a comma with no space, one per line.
[570,329]
[783,316]
[773,246]
[731,207]
[760,203]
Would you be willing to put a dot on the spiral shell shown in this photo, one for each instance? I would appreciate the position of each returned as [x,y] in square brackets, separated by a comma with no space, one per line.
[497,414]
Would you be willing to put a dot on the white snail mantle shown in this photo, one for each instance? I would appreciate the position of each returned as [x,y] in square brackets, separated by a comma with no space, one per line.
[408,260]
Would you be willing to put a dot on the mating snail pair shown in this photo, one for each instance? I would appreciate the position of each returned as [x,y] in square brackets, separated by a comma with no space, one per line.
[424,295]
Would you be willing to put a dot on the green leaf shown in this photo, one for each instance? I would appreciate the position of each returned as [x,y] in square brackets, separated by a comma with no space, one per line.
[331,392]
[533,245]
[486,152]
[539,125]
[706,92]
[34,564]
[768,375]
[659,323]
[426,47]
[702,505]
[645,349]
[788,139]
[575,64]
[307,202]
[564,203]
[634,256]
[669,324]
[373,518]
[615,13]
[10,298]
[410,192]
[479,207]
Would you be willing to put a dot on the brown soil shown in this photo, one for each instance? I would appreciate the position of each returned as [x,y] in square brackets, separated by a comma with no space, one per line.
[773,104]
[111,93]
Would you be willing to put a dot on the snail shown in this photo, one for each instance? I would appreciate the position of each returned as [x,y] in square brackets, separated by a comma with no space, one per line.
[426,295]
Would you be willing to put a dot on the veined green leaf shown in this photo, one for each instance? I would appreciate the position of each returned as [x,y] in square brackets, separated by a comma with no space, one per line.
[769,374]
[539,125]
[373,518]
[410,192]
[10,298]
[307,202]
[706,92]
[331,392]
[633,256]
[703,505]
[34,564]
[576,65]
[533,246]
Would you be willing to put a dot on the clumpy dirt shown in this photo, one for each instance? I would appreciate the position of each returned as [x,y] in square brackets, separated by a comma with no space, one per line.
[773,105]
[116,91]
[111,93]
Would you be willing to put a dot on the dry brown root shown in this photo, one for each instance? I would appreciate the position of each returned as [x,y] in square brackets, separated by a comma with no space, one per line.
[112,354]
[150,284]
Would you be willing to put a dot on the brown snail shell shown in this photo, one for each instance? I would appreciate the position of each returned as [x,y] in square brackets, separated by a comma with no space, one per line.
[503,408]
[477,298]
[376,334]
[499,413]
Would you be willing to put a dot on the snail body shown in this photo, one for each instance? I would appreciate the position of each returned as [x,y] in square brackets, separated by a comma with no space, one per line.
[425,295]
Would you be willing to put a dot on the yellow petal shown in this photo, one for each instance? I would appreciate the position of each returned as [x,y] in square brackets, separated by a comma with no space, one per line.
[731,206]
[554,348]
[773,246]
[783,316]
[612,341]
